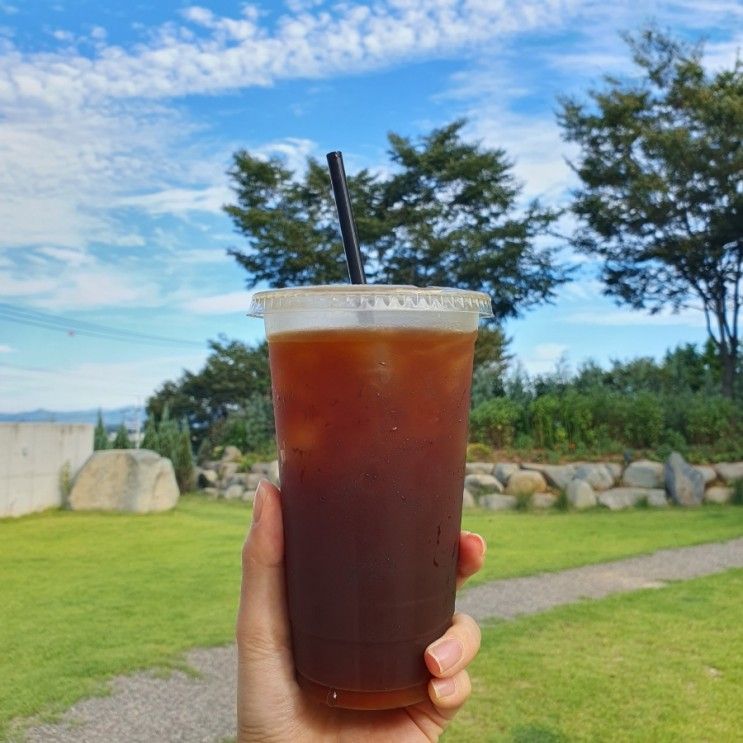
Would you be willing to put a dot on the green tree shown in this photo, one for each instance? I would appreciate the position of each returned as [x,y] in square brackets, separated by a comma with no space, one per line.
[150,437]
[122,440]
[182,458]
[233,373]
[660,199]
[446,216]
[100,435]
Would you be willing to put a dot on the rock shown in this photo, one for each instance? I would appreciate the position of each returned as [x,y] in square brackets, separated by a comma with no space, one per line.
[503,470]
[615,470]
[558,475]
[597,475]
[497,502]
[580,494]
[248,480]
[231,454]
[729,471]
[526,482]
[482,484]
[478,468]
[656,498]
[206,478]
[617,499]
[644,474]
[684,484]
[707,472]
[133,480]
[468,500]
[210,492]
[261,468]
[249,495]
[718,495]
[235,491]
[543,500]
[227,470]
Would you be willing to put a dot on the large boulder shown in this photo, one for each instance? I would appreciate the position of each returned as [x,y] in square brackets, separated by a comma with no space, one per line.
[730,471]
[482,484]
[526,482]
[684,484]
[497,502]
[718,495]
[580,494]
[597,475]
[134,480]
[558,475]
[644,474]
[617,499]
[504,470]
[478,468]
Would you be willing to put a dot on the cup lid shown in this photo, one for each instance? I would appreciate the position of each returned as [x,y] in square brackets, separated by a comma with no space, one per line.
[377,297]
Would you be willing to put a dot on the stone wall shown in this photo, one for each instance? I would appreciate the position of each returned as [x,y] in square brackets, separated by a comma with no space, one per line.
[32,458]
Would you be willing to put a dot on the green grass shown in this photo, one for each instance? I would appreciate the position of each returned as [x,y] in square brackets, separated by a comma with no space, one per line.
[523,544]
[657,665]
[88,596]
[85,597]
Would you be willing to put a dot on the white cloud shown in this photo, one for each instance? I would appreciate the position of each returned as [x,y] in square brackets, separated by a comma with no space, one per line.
[90,384]
[202,255]
[68,256]
[220,304]
[215,53]
[543,357]
[181,200]
[627,317]
[5,348]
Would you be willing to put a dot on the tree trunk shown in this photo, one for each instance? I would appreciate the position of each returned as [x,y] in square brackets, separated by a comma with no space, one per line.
[729,361]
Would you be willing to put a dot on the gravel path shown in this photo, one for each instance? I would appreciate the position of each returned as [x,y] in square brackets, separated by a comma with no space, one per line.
[146,708]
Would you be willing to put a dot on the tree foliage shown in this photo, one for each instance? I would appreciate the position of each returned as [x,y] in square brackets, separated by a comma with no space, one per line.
[235,378]
[446,215]
[100,435]
[661,202]
[122,440]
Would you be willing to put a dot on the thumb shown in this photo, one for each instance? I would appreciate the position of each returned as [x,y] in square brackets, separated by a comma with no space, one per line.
[263,636]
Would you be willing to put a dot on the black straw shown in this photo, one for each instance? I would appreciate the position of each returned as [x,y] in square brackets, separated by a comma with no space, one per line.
[345,217]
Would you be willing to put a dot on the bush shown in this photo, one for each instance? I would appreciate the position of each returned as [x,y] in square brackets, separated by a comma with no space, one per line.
[494,421]
[707,418]
[479,453]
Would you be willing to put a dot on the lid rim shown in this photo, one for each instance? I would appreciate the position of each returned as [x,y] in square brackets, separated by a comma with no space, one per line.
[370,297]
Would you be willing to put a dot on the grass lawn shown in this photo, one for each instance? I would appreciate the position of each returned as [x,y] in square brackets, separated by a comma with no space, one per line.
[657,665]
[85,597]
[523,544]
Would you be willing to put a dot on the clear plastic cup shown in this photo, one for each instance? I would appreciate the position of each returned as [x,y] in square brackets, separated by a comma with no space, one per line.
[371,390]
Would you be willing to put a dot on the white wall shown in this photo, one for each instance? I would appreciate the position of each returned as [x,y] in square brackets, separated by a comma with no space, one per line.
[32,456]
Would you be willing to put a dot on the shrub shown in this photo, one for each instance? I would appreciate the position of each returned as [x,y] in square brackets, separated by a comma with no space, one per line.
[562,503]
[494,421]
[708,418]
[479,452]
[171,440]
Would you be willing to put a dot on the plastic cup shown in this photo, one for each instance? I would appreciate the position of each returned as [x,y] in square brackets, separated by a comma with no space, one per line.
[371,391]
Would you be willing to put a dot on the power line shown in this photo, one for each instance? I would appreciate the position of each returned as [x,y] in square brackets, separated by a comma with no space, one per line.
[60,323]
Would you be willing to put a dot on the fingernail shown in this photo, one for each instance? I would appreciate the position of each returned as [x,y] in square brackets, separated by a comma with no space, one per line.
[446,653]
[483,543]
[260,496]
[444,687]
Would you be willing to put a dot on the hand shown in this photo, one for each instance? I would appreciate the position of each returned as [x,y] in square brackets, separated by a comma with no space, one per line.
[271,706]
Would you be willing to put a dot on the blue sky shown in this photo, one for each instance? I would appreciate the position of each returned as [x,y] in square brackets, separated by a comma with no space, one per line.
[118,121]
